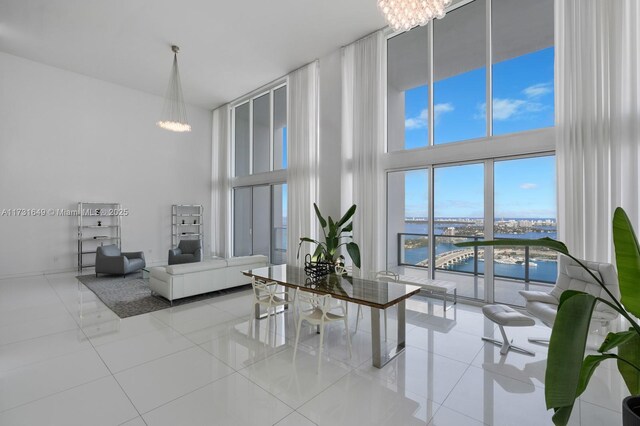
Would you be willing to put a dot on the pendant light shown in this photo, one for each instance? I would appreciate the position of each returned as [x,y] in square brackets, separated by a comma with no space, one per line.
[174,113]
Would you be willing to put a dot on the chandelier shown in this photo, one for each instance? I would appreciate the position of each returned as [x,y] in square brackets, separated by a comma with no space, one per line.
[406,14]
[174,113]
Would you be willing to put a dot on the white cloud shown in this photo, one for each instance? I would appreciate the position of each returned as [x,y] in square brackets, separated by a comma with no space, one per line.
[419,122]
[538,90]
[529,185]
[440,109]
[503,109]
[422,120]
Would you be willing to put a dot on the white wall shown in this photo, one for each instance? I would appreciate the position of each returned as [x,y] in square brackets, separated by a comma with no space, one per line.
[66,138]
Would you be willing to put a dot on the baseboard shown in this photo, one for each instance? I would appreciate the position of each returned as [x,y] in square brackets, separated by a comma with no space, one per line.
[37,273]
[155,262]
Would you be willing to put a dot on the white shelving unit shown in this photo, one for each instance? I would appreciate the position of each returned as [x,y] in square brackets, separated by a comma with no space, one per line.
[186,223]
[98,223]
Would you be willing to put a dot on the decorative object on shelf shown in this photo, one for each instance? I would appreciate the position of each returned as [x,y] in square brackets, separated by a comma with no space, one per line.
[183,221]
[174,114]
[568,374]
[406,14]
[99,223]
[333,233]
[195,222]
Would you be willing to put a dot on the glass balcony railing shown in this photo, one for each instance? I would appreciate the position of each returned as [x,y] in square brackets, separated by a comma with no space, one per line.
[519,263]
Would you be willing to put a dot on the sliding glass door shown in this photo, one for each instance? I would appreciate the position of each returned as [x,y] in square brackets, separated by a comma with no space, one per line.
[259,221]
[424,225]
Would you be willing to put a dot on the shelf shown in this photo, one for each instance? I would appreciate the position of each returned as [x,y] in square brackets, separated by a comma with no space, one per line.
[88,236]
[182,228]
[100,239]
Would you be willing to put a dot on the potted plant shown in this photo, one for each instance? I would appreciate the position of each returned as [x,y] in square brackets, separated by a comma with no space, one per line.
[568,371]
[334,235]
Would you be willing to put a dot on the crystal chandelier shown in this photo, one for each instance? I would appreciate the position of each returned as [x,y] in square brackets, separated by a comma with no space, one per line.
[406,14]
[174,113]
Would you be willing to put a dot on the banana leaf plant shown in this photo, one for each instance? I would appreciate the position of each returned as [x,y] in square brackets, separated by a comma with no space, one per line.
[568,370]
[336,235]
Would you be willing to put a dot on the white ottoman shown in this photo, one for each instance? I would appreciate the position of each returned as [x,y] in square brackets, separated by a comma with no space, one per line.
[505,316]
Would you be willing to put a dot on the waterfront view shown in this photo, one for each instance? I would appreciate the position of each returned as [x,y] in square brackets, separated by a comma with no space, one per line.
[534,264]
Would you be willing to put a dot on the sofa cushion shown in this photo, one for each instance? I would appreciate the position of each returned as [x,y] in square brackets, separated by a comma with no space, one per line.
[187,268]
[159,272]
[246,260]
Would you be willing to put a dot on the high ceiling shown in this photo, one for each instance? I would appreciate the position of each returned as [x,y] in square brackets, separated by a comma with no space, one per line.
[227,48]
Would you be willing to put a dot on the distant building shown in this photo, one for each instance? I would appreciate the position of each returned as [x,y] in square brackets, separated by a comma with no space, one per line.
[449,231]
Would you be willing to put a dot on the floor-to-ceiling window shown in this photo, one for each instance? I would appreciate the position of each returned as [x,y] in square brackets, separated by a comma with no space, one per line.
[259,135]
[470,150]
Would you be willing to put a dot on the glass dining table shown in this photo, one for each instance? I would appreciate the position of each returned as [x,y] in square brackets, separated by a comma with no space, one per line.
[377,294]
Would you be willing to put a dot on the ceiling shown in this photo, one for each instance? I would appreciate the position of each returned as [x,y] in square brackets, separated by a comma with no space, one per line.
[227,48]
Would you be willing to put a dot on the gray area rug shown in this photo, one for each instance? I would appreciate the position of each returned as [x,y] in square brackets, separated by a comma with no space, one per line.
[131,295]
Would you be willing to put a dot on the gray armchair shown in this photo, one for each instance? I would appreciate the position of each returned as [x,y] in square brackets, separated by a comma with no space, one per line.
[188,251]
[109,260]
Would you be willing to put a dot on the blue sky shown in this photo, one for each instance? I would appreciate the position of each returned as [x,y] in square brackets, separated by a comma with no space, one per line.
[522,100]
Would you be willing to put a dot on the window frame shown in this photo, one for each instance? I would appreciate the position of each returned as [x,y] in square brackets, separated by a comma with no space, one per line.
[487,150]
[271,177]
[250,98]
[389,34]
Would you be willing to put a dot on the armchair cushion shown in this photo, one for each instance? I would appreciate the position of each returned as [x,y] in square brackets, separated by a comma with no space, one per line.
[188,251]
[109,260]
[572,276]
[539,296]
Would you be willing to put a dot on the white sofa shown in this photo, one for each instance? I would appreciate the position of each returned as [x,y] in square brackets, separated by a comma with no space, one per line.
[189,279]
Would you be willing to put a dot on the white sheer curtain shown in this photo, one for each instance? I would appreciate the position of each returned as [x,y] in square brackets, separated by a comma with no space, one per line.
[363,91]
[598,120]
[302,167]
[220,189]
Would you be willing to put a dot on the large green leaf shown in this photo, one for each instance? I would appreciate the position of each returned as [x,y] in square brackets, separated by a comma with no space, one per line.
[354,253]
[347,228]
[589,366]
[321,219]
[540,242]
[332,237]
[613,340]
[347,216]
[566,350]
[308,240]
[627,261]
[319,253]
[629,351]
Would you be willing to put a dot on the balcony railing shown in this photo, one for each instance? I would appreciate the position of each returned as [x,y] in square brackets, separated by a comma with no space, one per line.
[447,258]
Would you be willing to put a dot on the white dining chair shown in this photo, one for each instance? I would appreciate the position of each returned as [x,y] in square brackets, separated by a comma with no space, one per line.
[380,275]
[267,294]
[315,309]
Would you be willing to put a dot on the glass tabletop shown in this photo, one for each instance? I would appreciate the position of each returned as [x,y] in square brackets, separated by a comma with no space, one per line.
[379,294]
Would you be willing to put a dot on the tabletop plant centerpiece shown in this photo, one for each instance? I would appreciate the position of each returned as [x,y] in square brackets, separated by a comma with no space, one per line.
[568,371]
[336,234]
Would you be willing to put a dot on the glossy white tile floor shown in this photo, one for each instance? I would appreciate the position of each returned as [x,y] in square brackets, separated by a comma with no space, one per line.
[66,359]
